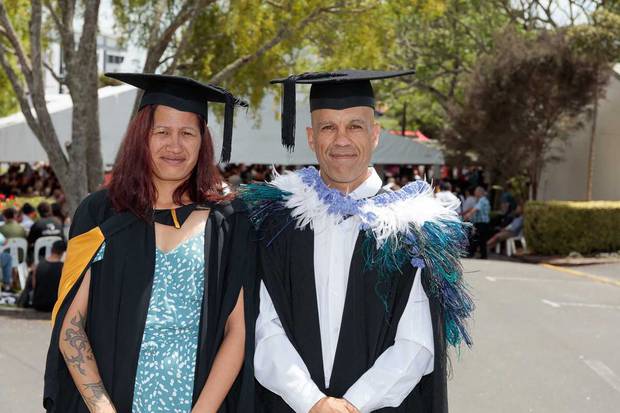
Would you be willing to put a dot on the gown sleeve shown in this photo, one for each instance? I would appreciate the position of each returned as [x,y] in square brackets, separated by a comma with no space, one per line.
[243,274]
[85,238]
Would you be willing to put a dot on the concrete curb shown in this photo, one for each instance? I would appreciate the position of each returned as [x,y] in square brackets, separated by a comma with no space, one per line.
[565,261]
[23,313]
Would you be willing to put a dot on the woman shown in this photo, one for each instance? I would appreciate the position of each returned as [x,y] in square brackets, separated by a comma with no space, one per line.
[155,308]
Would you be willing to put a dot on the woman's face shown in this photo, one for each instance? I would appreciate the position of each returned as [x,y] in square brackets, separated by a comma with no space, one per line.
[174,143]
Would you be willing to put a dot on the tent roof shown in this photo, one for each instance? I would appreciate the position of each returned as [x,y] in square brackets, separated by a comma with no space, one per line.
[254,141]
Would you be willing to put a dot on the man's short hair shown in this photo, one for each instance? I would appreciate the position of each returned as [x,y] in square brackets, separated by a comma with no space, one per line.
[59,247]
[9,213]
[27,209]
[445,186]
[44,209]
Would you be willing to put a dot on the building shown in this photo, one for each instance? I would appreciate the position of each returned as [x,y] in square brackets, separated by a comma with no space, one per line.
[567,179]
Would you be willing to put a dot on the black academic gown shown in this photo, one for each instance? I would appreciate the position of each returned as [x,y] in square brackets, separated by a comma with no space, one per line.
[119,296]
[367,329]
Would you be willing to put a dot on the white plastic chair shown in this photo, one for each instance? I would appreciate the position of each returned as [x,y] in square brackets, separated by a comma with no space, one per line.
[14,245]
[511,245]
[41,243]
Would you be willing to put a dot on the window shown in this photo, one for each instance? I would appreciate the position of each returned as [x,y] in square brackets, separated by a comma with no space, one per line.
[115,59]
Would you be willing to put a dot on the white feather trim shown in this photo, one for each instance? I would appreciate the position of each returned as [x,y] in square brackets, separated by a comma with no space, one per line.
[396,217]
[304,203]
[391,219]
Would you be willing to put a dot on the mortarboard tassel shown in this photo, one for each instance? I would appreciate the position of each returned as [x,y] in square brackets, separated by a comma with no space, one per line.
[229,114]
[288,113]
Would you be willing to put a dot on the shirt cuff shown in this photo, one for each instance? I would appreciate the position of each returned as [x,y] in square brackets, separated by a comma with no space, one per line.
[360,395]
[305,400]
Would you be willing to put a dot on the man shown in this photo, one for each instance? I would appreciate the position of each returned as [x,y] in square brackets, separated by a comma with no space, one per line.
[6,265]
[509,231]
[11,228]
[28,215]
[446,197]
[469,201]
[479,216]
[347,322]
[46,277]
[46,226]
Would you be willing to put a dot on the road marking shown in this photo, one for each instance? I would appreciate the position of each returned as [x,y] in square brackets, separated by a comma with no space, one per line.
[555,304]
[604,372]
[494,279]
[592,277]
[551,303]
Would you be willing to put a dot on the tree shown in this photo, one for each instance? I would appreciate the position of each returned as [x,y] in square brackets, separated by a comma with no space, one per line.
[18,12]
[521,102]
[243,43]
[23,64]
[442,41]
[8,103]
[159,26]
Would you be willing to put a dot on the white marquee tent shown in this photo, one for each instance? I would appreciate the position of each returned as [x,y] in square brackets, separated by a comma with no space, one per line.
[254,140]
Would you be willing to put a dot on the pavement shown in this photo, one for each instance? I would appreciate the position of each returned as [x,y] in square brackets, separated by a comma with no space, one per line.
[545,340]
[23,344]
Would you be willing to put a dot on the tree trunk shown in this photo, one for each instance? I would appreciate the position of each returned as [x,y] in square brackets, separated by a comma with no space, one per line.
[85,160]
[591,154]
[73,172]
[535,173]
[89,100]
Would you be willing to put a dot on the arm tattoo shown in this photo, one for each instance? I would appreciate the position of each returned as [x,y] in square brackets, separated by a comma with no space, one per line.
[95,396]
[77,339]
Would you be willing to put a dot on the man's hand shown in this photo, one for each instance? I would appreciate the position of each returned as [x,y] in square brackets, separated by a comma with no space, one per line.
[333,405]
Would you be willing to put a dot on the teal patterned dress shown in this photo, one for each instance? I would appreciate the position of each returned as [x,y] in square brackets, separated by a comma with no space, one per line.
[165,375]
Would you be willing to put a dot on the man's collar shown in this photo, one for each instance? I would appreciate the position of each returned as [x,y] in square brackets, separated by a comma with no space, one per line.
[369,187]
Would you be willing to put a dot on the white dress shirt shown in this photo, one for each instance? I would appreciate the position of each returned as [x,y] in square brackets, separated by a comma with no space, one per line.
[278,366]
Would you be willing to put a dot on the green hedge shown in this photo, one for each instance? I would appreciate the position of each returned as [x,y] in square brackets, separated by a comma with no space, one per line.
[560,227]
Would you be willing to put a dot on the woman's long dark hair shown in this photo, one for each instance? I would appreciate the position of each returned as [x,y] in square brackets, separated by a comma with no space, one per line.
[131,187]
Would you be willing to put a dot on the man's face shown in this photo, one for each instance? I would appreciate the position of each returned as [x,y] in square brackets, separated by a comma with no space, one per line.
[343,141]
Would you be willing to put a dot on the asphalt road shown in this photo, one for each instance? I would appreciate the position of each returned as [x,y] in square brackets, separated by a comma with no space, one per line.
[546,340]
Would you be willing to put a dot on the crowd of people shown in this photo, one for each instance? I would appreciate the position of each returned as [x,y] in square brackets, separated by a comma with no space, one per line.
[26,180]
[29,223]
[487,230]
[468,187]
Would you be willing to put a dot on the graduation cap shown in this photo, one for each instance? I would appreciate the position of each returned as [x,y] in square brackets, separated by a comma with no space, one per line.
[186,95]
[330,90]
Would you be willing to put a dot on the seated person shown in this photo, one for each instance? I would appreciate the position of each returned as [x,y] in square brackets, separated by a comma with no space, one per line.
[46,226]
[46,277]
[6,266]
[513,229]
[11,228]
[27,215]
